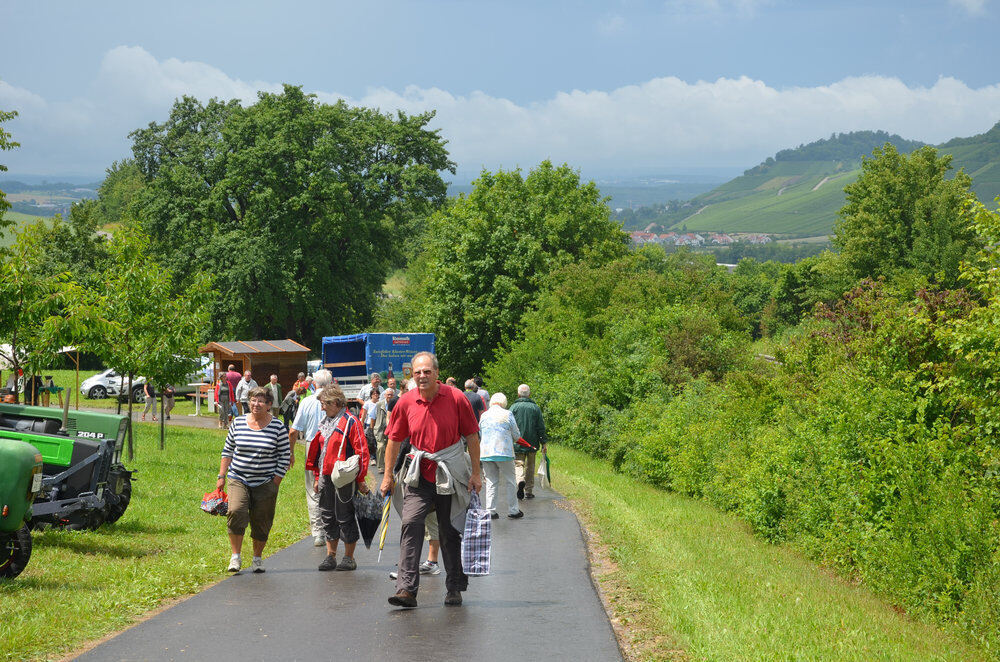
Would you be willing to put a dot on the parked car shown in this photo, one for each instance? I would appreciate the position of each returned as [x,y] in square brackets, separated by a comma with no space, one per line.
[109,383]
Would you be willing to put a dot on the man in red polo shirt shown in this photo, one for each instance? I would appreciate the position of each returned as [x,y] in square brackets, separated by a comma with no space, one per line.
[434,416]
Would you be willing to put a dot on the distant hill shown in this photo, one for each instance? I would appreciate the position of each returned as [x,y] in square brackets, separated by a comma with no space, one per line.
[799,191]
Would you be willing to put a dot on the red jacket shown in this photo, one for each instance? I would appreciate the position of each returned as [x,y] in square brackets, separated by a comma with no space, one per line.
[347,426]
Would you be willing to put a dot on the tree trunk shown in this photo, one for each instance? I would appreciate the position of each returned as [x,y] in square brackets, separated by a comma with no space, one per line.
[131,447]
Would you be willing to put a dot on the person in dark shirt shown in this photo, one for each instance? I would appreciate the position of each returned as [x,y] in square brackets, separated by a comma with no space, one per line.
[474,399]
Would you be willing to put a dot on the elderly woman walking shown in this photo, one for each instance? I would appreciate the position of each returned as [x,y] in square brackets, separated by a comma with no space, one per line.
[339,437]
[254,459]
[498,433]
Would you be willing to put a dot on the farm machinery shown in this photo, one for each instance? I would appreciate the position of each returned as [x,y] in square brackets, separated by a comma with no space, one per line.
[20,482]
[83,481]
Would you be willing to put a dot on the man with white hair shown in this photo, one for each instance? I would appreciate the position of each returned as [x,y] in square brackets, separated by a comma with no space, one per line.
[366,390]
[307,419]
[532,426]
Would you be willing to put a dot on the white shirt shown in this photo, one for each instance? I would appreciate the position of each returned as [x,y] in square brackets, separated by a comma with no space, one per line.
[308,417]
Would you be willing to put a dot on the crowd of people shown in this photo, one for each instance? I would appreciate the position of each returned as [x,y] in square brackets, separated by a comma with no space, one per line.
[432,444]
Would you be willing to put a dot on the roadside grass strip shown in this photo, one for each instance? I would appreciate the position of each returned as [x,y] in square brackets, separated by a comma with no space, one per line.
[699,585]
[82,585]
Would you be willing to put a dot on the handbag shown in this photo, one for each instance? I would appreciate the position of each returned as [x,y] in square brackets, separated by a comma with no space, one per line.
[345,471]
[476,539]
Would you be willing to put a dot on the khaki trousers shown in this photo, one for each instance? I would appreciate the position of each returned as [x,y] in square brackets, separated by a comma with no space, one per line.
[524,469]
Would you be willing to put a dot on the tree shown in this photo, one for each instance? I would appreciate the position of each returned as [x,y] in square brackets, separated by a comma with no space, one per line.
[5,144]
[486,255]
[903,214]
[298,208]
[40,312]
[150,328]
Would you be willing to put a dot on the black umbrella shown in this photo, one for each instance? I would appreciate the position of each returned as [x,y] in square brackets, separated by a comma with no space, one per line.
[368,510]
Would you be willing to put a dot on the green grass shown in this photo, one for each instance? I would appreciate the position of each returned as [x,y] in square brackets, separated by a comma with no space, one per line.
[7,236]
[82,585]
[704,584]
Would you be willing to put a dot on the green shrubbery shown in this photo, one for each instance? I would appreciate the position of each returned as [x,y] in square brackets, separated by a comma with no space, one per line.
[871,445]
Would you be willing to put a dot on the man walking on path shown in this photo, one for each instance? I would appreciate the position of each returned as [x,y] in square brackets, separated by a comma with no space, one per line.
[275,389]
[366,391]
[233,379]
[474,398]
[532,426]
[243,391]
[435,417]
[307,419]
[381,421]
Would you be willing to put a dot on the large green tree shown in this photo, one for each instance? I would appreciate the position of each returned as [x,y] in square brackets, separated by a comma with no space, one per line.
[485,256]
[904,214]
[297,207]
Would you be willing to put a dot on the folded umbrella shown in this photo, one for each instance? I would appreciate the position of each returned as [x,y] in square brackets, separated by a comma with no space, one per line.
[384,524]
[366,509]
[525,444]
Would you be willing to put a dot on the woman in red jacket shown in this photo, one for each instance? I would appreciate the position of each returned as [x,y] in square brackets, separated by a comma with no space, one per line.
[340,436]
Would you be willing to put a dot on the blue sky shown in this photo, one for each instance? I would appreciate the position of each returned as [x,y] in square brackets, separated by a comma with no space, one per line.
[609,87]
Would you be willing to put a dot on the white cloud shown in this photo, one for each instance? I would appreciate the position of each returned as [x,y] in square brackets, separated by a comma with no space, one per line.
[974,7]
[739,7]
[659,124]
[611,24]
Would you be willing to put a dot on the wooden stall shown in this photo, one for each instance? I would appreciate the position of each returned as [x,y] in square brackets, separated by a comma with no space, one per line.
[263,358]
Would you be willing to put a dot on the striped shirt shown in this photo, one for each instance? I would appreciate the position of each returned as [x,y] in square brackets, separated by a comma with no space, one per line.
[257,455]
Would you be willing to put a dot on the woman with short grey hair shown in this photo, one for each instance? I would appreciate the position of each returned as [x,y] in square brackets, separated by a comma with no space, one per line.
[498,433]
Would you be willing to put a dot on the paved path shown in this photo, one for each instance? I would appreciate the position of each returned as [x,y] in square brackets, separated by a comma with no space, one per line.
[538,603]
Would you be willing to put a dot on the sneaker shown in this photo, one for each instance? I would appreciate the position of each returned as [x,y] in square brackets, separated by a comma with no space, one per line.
[430,568]
[529,496]
[257,564]
[329,563]
[347,563]
[234,563]
[453,598]
[517,515]
[495,516]
[520,490]
[404,599]
[393,575]
[319,541]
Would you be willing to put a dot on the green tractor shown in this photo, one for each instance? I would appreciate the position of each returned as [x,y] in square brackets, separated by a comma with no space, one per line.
[84,482]
[20,482]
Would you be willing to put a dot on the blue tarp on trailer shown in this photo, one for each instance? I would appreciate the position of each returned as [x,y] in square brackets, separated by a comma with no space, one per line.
[380,352]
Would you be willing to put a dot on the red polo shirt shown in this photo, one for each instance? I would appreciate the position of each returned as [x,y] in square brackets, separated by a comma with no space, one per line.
[434,425]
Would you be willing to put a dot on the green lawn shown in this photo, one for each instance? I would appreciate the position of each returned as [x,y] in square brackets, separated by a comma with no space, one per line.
[690,582]
[82,585]
[7,236]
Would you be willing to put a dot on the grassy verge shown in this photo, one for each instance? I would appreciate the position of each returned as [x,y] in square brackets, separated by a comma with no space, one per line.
[689,582]
[82,585]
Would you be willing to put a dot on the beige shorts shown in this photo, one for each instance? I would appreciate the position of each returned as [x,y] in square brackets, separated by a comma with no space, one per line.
[253,506]
[431,527]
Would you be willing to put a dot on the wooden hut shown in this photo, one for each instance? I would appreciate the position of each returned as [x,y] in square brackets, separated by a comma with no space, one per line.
[263,358]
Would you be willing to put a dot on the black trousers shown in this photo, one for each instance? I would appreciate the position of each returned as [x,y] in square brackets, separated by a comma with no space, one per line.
[417,502]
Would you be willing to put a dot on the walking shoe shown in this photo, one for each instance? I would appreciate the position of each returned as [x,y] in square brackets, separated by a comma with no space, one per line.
[329,563]
[393,575]
[453,599]
[257,564]
[404,599]
[234,563]
[517,515]
[430,568]
[319,541]
[529,496]
[520,490]
[495,516]
[347,563]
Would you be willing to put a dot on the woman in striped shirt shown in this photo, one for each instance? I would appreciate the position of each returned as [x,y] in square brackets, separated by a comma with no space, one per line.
[255,458]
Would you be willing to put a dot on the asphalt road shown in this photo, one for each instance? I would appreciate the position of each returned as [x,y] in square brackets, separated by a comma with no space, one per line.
[538,603]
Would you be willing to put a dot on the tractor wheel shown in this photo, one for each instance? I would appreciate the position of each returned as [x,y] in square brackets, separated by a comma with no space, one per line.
[116,507]
[97,393]
[15,550]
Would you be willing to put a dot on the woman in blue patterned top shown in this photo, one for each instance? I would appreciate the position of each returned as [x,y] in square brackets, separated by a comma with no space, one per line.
[254,459]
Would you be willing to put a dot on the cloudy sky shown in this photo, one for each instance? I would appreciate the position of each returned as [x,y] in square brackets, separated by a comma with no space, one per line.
[614,88]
